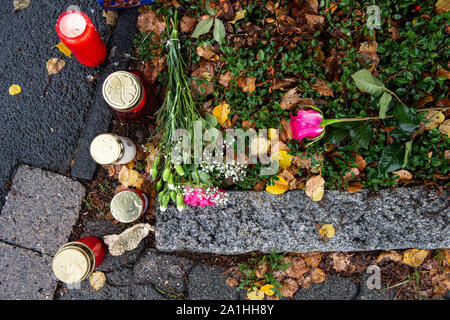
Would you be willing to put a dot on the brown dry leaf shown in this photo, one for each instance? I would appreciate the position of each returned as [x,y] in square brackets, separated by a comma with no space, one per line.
[247,84]
[362,164]
[148,21]
[232,282]
[298,267]
[392,255]
[442,6]
[55,65]
[444,128]
[315,188]
[152,69]
[403,175]
[322,87]
[318,275]
[111,17]
[290,99]
[225,78]
[313,19]
[97,280]
[312,259]
[314,4]
[355,186]
[130,178]
[288,287]
[414,257]
[441,284]
[447,154]
[21,4]
[304,161]
[351,175]
[286,128]
[187,24]
[261,270]
[260,186]
[368,47]
[283,83]
[205,68]
[443,73]
[206,52]
[341,262]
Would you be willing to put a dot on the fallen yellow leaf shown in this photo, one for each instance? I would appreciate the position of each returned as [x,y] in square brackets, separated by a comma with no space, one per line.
[15,89]
[131,178]
[327,230]
[221,112]
[435,118]
[414,257]
[444,128]
[62,47]
[272,133]
[280,186]
[267,289]
[284,159]
[239,15]
[315,188]
[55,65]
[255,294]
[21,4]
[97,280]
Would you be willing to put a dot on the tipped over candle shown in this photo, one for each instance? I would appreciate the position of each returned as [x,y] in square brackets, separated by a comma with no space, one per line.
[79,34]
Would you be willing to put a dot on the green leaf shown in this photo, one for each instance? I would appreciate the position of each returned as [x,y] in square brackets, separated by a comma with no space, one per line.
[391,158]
[211,119]
[406,119]
[202,27]
[384,104]
[408,147]
[362,135]
[335,136]
[219,31]
[209,9]
[366,82]
[203,177]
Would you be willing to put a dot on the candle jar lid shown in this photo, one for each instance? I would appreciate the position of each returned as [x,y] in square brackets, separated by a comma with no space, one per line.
[71,264]
[122,90]
[127,206]
[106,149]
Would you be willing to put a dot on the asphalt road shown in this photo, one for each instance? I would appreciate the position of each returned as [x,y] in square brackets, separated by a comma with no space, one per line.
[41,126]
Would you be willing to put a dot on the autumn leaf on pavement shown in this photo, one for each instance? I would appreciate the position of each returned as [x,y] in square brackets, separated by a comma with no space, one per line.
[314,20]
[150,21]
[403,175]
[318,275]
[290,99]
[414,257]
[255,294]
[224,79]
[288,287]
[297,268]
[14,89]
[315,188]
[327,230]
[280,186]
[97,280]
[341,262]
[322,87]
[55,65]
[267,289]
[130,178]
[355,186]
[111,17]
[63,49]
[206,52]
[187,24]
[312,259]
[21,4]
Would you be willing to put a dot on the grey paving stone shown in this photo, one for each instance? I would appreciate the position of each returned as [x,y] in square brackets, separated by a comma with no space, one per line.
[85,292]
[209,284]
[258,221]
[164,271]
[25,274]
[334,288]
[40,210]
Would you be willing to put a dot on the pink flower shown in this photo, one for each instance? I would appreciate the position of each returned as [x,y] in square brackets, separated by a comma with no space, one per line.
[203,197]
[306,124]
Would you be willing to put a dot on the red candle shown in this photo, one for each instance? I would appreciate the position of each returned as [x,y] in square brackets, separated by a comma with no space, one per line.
[79,34]
[97,247]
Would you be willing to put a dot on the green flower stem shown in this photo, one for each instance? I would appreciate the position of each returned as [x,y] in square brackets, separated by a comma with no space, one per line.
[327,122]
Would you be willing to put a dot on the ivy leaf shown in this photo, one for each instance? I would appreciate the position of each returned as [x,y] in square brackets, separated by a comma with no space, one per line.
[408,147]
[384,104]
[219,31]
[391,158]
[406,119]
[335,136]
[362,135]
[367,83]
[202,27]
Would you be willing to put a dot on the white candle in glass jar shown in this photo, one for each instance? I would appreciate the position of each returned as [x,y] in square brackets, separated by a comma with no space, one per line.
[110,149]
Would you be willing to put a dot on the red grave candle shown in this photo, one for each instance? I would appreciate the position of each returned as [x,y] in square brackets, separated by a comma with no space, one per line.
[97,247]
[79,34]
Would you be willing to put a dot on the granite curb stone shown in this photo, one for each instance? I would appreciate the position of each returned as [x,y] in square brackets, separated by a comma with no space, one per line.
[41,209]
[258,221]
[25,275]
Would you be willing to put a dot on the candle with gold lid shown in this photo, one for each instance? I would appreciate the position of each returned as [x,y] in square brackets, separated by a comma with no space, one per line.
[125,94]
[128,205]
[108,149]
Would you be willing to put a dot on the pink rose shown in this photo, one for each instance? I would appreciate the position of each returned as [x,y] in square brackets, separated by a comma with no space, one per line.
[306,124]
